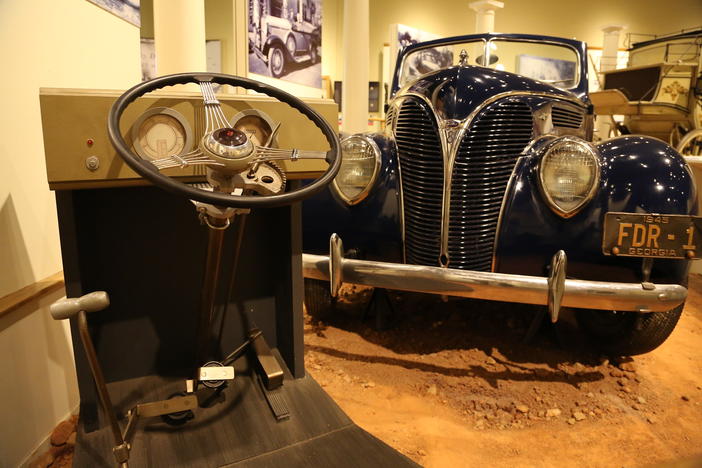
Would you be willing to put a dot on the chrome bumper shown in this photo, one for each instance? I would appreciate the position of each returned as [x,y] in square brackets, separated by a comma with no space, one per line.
[554,291]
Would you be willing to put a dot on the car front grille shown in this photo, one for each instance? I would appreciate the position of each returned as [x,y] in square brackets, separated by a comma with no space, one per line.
[482,169]
[565,117]
[481,172]
[422,169]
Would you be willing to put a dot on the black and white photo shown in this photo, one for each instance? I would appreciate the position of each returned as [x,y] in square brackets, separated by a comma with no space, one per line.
[285,40]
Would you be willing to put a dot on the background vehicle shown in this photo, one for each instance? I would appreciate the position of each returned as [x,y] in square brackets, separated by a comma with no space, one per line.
[660,92]
[283,32]
[486,176]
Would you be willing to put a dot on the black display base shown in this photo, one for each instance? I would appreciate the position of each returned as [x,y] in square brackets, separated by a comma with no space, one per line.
[240,431]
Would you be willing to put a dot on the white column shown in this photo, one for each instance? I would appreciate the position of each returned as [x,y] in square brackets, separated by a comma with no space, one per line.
[179,36]
[608,61]
[354,91]
[610,47]
[485,14]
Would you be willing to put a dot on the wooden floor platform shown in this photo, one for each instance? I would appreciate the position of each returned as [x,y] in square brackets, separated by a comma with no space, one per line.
[240,431]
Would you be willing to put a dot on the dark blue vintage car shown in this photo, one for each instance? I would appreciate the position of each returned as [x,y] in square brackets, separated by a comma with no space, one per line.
[486,184]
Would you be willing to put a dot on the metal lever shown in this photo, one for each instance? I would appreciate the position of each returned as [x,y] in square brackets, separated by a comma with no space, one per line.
[68,308]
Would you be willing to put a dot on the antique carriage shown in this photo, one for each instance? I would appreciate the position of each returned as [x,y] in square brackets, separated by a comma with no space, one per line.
[660,92]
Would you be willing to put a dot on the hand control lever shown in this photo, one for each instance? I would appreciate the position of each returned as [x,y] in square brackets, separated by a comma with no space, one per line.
[95,302]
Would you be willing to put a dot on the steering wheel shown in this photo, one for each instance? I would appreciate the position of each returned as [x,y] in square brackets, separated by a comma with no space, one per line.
[229,155]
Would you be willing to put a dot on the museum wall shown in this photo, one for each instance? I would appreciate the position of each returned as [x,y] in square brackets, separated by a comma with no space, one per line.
[454,17]
[583,21]
[45,44]
[75,44]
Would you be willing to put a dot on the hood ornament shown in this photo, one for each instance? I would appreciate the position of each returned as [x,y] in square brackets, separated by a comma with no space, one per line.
[450,128]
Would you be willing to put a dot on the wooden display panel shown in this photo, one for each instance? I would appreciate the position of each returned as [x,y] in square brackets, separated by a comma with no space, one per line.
[73,117]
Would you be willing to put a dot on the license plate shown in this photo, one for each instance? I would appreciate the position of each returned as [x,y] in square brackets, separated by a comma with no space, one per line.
[652,235]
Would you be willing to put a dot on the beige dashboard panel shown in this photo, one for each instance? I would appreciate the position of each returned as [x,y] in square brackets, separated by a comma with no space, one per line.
[74,124]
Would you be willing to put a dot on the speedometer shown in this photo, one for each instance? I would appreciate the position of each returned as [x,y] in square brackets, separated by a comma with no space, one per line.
[257,125]
[161,132]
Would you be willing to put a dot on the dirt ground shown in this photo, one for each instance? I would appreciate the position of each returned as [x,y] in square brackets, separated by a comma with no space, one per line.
[452,384]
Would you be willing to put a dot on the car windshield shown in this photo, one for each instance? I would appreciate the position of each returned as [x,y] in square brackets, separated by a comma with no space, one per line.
[551,63]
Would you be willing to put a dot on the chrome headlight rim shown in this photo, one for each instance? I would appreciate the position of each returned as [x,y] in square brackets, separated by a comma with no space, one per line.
[592,151]
[374,177]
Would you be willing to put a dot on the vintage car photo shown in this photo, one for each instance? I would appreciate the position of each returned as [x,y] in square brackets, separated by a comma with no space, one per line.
[285,36]
[486,183]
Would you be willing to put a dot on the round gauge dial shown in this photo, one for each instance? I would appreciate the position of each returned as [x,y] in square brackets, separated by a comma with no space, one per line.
[257,125]
[161,132]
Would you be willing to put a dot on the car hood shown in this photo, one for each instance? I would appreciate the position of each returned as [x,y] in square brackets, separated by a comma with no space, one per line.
[457,91]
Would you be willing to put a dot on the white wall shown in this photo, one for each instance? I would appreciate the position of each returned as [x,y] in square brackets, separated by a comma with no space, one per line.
[45,43]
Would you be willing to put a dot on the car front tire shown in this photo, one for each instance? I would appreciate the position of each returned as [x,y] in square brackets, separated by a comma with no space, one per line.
[276,60]
[318,301]
[628,333]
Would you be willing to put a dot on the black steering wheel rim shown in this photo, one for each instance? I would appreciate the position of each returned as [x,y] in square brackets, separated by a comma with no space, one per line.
[149,171]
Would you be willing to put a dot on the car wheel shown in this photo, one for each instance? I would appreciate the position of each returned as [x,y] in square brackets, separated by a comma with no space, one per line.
[691,143]
[276,60]
[291,46]
[318,301]
[628,333]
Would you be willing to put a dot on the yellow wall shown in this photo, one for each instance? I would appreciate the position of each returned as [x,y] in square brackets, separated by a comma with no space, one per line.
[46,43]
[454,17]
[219,25]
[581,20]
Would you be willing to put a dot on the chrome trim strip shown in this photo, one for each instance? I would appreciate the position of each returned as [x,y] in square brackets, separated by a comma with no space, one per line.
[524,289]
[376,170]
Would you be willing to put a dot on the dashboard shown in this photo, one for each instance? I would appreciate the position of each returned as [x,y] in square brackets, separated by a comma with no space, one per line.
[79,154]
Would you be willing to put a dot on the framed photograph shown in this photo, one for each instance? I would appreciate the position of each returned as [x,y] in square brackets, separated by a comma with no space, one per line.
[128,10]
[285,40]
[545,68]
[424,62]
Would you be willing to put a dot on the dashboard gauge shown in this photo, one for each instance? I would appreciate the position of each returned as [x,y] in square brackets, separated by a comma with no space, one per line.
[161,132]
[256,124]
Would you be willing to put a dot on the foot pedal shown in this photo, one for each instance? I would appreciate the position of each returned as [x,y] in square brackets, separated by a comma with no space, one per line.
[276,401]
[271,372]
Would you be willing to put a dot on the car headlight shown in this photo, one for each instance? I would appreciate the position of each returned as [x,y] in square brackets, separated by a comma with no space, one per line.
[360,162]
[569,172]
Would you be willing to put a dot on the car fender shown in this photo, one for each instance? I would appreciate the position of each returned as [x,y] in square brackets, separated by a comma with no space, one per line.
[370,229]
[638,175]
[271,40]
